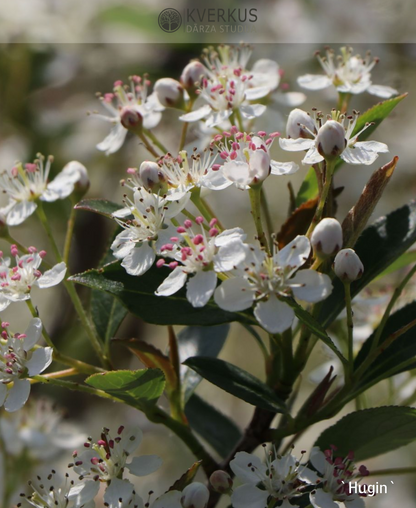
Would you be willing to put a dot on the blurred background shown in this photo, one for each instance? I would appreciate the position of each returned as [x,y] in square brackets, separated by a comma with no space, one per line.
[55,56]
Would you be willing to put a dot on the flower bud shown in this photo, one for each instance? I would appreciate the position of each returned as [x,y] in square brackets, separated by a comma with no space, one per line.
[151,176]
[195,495]
[348,266]
[296,123]
[170,93]
[326,238]
[221,481]
[192,74]
[259,166]
[330,141]
[131,119]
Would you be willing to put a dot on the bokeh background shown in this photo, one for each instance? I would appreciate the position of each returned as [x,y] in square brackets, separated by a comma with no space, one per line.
[55,56]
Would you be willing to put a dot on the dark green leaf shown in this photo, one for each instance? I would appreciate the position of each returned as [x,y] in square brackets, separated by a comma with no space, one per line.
[401,350]
[186,478]
[199,341]
[378,246]
[216,428]
[101,206]
[404,260]
[371,432]
[237,381]
[137,294]
[107,314]
[138,388]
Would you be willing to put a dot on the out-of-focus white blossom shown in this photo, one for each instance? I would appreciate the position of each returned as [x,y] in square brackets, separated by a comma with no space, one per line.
[348,266]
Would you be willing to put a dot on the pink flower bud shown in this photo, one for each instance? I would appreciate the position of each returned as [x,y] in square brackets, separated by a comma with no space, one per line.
[195,495]
[170,93]
[326,238]
[348,266]
[192,74]
[131,119]
[221,481]
[330,141]
[296,123]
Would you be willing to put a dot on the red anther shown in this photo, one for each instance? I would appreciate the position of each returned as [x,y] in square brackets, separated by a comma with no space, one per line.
[198,239]
[160,263]
[100,442]
[173,265]
[174,239]
[234,129]
[216,167]
[14,171]
[118,83]
[131,171]
[217,138]
[14,250]
[30,167]
[199,219]
[239,135]
[212,222]
[274,134]
[262,134]
[233,155]
[227,134]
[224,155]
[235,145]
[32,250]
[120,429]
[42,253]
[94,461]
[180,229]
[187,223]
[213,232]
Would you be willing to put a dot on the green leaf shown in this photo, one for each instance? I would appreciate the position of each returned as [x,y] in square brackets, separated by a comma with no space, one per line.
[212,425]
[107,314]
[371,432]
[199,341]
[100,206]
[139,388]
[238,382]
[401,350]
[137,294]
[376,115]
[378,247]
[404,260]
[186,478]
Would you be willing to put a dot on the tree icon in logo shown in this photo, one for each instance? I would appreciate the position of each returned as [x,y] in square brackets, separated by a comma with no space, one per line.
[170,20]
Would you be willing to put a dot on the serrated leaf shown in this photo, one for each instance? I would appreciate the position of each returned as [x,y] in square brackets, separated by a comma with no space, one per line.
[198,341]
[137,295]
[378,247]
[139,388]
[371,432]
[186,478]
[100,206]
[238,382]
[212,425]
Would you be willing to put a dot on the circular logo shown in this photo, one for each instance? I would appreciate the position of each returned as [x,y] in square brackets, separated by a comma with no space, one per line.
[169,20]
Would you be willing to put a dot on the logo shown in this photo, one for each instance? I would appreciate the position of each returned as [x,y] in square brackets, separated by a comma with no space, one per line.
[170,20]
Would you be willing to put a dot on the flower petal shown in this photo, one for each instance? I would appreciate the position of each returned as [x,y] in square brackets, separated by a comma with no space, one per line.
[217,117]
[139,260]
[131,437]
[197,114]
[234,295]
[20,212]
[229,235]
[358,155]
[374,146]
[215,180]
[144,465]
[229,256]
[123,244]
[3,393]
[251,111]
[312,157]
[243,464]
[283,168]
[53,276]
[290,99]
[273,315]
[119,492]
[84,492]
[4,302]
[18,395]
[238,172]
[257,92]
[321,499]
[114,140]
[296,145]
[317,459]
[314,81]
[33,333]
[171,499]
[40,360]
[200,288]
[173,283]
[311,286]
[385,92]
[249,496]
[294,254]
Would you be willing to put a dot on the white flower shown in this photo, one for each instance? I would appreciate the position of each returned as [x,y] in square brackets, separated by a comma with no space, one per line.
[280,477]
[18,360]
[121,494]
[144,234]
[351,150]
[170,93]
[349,74]
[124,102]
[337,474]
[24,185]
[267,280]
[326,238]
[106,460]
[201,255]
[195,495]
[39,431]
[247,157]
[47,494]
[17,282]
[347,265]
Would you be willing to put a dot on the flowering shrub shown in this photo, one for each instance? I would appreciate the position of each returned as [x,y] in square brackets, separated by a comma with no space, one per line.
[174,260]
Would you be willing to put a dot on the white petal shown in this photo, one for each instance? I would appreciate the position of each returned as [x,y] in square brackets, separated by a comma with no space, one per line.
[251,111]
[173,283]
[18,395]
[33,333]
[290,99]
[41,359]
[118,490]
[374,146]
[307,475]
[296,145]
[312,157]
[265,72]
[314,81]
[238,172]
[229,235]
[139,260]
[273,315]
[243,464]
[358,155]
[122,213]
[283,168]
[171,499]
[151,119]
[217,118]
[382,91]
[3,393]
[321,499]
[84,492]
[131,438]
[229,256]
[234,295]
[123,244]
[200,288]
[295,253]
[144,465]
[313,286]
[176,206]
[258,92]
[196,115]
[20,212]
[53,276]
[114,140]
[4,302]
[249,496]
[318,460]
[215,180]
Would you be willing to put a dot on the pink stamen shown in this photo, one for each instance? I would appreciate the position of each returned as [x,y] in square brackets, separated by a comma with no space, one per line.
[216,167]
[180,229]
[173,265]
[160,263]
[213,232]
[187,223]
[199,219]
[198,239]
